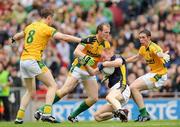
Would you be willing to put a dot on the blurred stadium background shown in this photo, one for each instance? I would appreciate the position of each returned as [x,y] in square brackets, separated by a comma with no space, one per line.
[80,18]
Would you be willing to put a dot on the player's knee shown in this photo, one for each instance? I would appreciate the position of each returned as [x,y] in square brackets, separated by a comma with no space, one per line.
[108,98]
[52,85]
[133,88]
[97,118]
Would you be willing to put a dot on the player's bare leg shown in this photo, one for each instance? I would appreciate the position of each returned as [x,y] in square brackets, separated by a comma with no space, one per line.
[49,81]
[137,86]
[115,98]
[104,113]
[69,85]
[30,89]
[91,88]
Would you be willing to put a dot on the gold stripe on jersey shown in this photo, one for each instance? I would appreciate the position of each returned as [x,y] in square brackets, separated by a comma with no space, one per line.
[123,72]
[37,36]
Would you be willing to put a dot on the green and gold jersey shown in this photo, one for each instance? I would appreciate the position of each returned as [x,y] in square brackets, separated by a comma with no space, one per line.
[94,50]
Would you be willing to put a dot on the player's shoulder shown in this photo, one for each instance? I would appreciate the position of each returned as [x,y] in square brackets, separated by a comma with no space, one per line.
[154,46]
[142,48]
[33,24]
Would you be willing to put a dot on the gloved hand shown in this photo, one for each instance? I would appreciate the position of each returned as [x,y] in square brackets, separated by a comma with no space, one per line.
[87,60]
[166,56]
[13,41]
[100,66]
[88,40]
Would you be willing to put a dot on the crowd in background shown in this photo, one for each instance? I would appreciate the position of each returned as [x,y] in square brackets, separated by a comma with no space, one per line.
[80,18]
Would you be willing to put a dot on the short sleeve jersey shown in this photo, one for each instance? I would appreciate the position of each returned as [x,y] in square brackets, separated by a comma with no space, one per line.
[37,35]
[156,63]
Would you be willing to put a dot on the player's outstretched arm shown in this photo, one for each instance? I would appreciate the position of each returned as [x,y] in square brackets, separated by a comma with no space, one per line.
[115,63]
[164,55]
[69,38]
[65,37]
[92,71]
[133,58]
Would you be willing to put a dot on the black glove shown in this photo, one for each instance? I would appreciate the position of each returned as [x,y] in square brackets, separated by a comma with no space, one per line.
[88,40]
[12,40]
[100,66]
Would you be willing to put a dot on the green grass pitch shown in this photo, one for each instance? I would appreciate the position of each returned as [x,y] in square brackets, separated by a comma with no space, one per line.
[155,123]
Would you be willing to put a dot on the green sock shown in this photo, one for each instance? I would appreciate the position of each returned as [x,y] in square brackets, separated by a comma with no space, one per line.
[56,99]
[47,109]
[82,107]
[143,112]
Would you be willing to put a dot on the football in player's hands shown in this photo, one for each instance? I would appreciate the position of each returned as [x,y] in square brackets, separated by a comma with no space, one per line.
[108,70]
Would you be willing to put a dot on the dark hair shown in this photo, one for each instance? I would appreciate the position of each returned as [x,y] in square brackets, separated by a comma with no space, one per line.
[45,12]
[100,27]
[145,31]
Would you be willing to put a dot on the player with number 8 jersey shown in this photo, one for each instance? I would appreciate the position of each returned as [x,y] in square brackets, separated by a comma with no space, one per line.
[36,36]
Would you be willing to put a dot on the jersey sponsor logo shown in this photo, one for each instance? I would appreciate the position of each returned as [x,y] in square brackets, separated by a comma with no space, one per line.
[93,54]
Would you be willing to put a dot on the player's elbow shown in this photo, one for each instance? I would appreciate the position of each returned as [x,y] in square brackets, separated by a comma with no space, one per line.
[58,36]
[108,98]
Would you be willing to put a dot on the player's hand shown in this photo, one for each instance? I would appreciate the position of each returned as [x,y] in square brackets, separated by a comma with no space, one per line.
[11,41]
[88,40]
[86,60]
[89,60]
[100,66]
[166,56]
[105,77]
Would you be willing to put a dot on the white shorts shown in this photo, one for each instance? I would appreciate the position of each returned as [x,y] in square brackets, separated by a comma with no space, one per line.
[81,74]
[126,93]
[153,81]
[31,68]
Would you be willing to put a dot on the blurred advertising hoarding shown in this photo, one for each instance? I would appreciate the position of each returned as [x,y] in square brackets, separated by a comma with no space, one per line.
[159,109]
